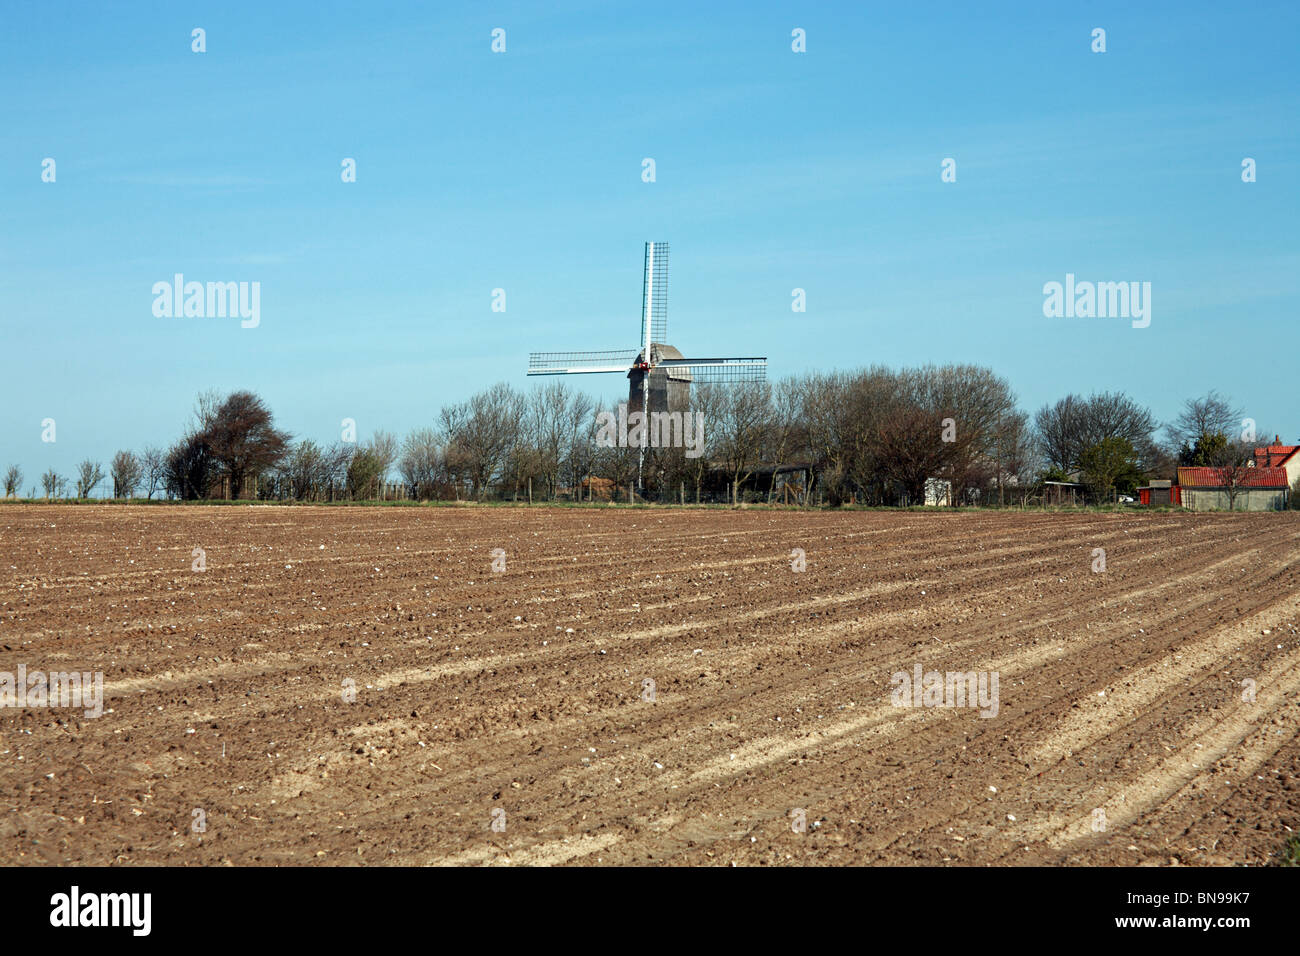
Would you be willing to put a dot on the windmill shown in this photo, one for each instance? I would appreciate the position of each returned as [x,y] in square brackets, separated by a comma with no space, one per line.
[659,376]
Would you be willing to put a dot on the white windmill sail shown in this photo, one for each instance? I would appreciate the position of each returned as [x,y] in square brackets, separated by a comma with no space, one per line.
[654,295]
[654,331]
[720,371]
[575,363]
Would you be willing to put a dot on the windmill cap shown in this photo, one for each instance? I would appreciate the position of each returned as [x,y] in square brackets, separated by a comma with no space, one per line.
[662,352]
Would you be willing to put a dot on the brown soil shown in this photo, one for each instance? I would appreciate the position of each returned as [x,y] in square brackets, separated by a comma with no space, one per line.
[522,690]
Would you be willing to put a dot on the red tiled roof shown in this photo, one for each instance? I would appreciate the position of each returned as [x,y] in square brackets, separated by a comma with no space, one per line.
[1274,454]
[1249,478]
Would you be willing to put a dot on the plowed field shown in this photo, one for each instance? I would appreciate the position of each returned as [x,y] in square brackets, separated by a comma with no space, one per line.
[1125,730]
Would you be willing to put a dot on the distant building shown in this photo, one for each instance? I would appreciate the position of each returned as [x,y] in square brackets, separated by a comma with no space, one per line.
[1159,492]
[1264,484]
[1062,493]
[1278,455]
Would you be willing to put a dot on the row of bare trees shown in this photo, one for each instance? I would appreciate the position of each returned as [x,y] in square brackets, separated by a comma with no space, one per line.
[876,435]
[232,449]
[87,478]
[501,441]
[873,435]
[950,433]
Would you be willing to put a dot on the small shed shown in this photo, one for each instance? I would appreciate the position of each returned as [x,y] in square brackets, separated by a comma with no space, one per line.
[1062,492]
[1159,492]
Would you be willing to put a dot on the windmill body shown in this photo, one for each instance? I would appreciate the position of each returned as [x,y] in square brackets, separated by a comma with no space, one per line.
[664,388]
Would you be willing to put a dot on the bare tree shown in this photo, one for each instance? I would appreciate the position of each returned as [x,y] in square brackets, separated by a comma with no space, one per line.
[421,463]
[206,405]
[89,474]
[911,448]
[243,438]
[13,479]
[1115,415]
[579,438]
[1058,427]
[1016,456]
[51,482]
[188,467]
[1073,425]
[154,469]
[835,429]
[977,401]
[739,426]
[549,429]
[368,466]
[310,472]
[871,397]
[385,448]
[785,429]
[126,473]
[706,403]
[299,469]
[455,457]
[522,467]
[334,469]
[483,431]
[1204,416]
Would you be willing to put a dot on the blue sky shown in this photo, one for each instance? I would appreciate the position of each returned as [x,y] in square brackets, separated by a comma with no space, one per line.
[522,170]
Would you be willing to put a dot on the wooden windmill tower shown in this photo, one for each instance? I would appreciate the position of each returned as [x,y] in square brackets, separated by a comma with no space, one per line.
[659,376]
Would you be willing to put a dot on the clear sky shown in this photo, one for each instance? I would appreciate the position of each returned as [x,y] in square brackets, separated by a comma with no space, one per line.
[522,170]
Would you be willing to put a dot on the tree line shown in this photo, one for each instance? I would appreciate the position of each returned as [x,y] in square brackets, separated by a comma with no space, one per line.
[951,434]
